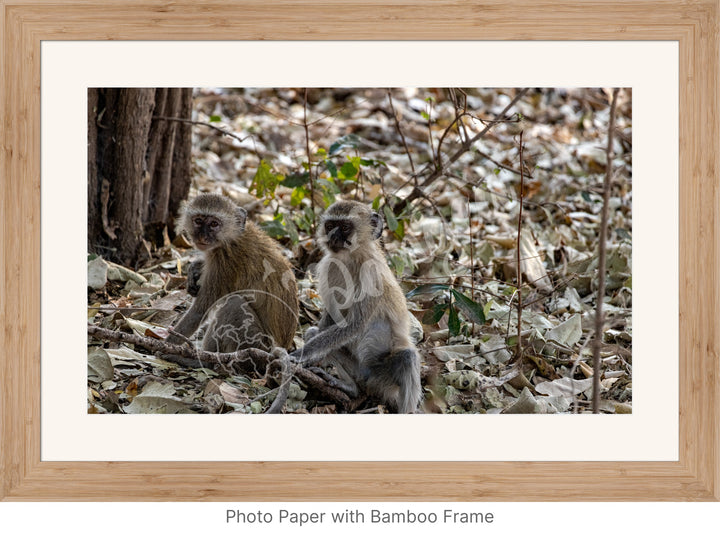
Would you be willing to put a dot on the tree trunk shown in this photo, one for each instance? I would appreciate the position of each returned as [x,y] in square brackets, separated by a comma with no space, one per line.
[136,165]
[182,163]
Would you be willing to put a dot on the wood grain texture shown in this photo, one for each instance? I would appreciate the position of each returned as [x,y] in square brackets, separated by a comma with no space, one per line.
[694,24]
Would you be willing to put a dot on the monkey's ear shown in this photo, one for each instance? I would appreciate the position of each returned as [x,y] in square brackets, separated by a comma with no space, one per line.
[241,217]
[377,224]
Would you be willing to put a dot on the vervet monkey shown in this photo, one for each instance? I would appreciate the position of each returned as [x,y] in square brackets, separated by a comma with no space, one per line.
[364,329]
[244,283]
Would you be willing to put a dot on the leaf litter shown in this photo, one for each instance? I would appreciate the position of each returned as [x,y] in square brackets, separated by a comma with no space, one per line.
[453,249]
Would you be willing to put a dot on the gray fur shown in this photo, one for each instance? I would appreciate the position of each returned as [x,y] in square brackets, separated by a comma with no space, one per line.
[364,330]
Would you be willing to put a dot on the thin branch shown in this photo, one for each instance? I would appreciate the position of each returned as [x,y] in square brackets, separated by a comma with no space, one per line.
[462,132]
[448,129]
[206,124]
[500,165]
[434,157]
[400,132]
[310,172]
[472,261]
[519,268]
[439,171]
[602,247]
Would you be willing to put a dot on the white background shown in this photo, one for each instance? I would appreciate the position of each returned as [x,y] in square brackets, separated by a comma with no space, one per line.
[650,433]
[551,520]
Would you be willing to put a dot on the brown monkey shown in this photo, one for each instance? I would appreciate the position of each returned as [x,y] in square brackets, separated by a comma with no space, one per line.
[365,326]
[244,285]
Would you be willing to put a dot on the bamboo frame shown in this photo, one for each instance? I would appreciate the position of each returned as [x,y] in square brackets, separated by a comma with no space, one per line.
[694,24]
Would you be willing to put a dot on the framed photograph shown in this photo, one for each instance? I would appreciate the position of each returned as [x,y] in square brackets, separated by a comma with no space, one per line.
[664,55]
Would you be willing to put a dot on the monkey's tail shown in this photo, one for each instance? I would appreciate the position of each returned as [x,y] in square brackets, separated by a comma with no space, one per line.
[399,374]
[410,387]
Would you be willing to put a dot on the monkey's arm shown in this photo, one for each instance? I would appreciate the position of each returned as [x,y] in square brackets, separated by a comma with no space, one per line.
[195,270]
[190,321]
[324,322]
[329,337]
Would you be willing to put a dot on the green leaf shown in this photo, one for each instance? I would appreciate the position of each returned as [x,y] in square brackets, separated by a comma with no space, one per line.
[398,264]
[265,182]
[214,119]
[291,230]
[488,307]
[472,310]
[329,188]
[274,228]
[425,115]
[280,227]
[453,322]
[390,218]
[431,317]
[328,198]
[331,168]
[400,230]
[371,162]
[348,171]
[427,289]
[298,195]
[295,180]
[321,152]
[376,203]
[304,220]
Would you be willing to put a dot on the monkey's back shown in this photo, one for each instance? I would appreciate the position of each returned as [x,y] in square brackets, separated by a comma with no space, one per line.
[255,264]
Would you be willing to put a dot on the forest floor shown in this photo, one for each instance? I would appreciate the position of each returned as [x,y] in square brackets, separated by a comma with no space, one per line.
[444,168]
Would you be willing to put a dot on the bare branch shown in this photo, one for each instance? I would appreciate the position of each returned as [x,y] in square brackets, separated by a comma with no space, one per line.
[400,132]
[602,247]
[519,357]
[440,170]
[309,157]
[206,124]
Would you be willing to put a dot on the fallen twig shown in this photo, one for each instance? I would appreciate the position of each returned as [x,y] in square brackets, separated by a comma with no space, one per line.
[239,362]
[246,361]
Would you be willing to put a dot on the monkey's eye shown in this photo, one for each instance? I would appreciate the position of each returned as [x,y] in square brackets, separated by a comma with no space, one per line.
[214,224]
[346,227]
[329,226]
[198,221]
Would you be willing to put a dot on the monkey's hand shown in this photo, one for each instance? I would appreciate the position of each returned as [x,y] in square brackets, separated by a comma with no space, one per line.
[297,355]
[193,279]
[311,333]
[326,340]
[301,357]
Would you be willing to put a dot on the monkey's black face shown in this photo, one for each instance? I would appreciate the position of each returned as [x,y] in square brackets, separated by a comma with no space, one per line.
[338,234]
[205,231]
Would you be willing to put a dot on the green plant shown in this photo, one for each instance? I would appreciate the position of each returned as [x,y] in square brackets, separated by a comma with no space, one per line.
[454,302]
